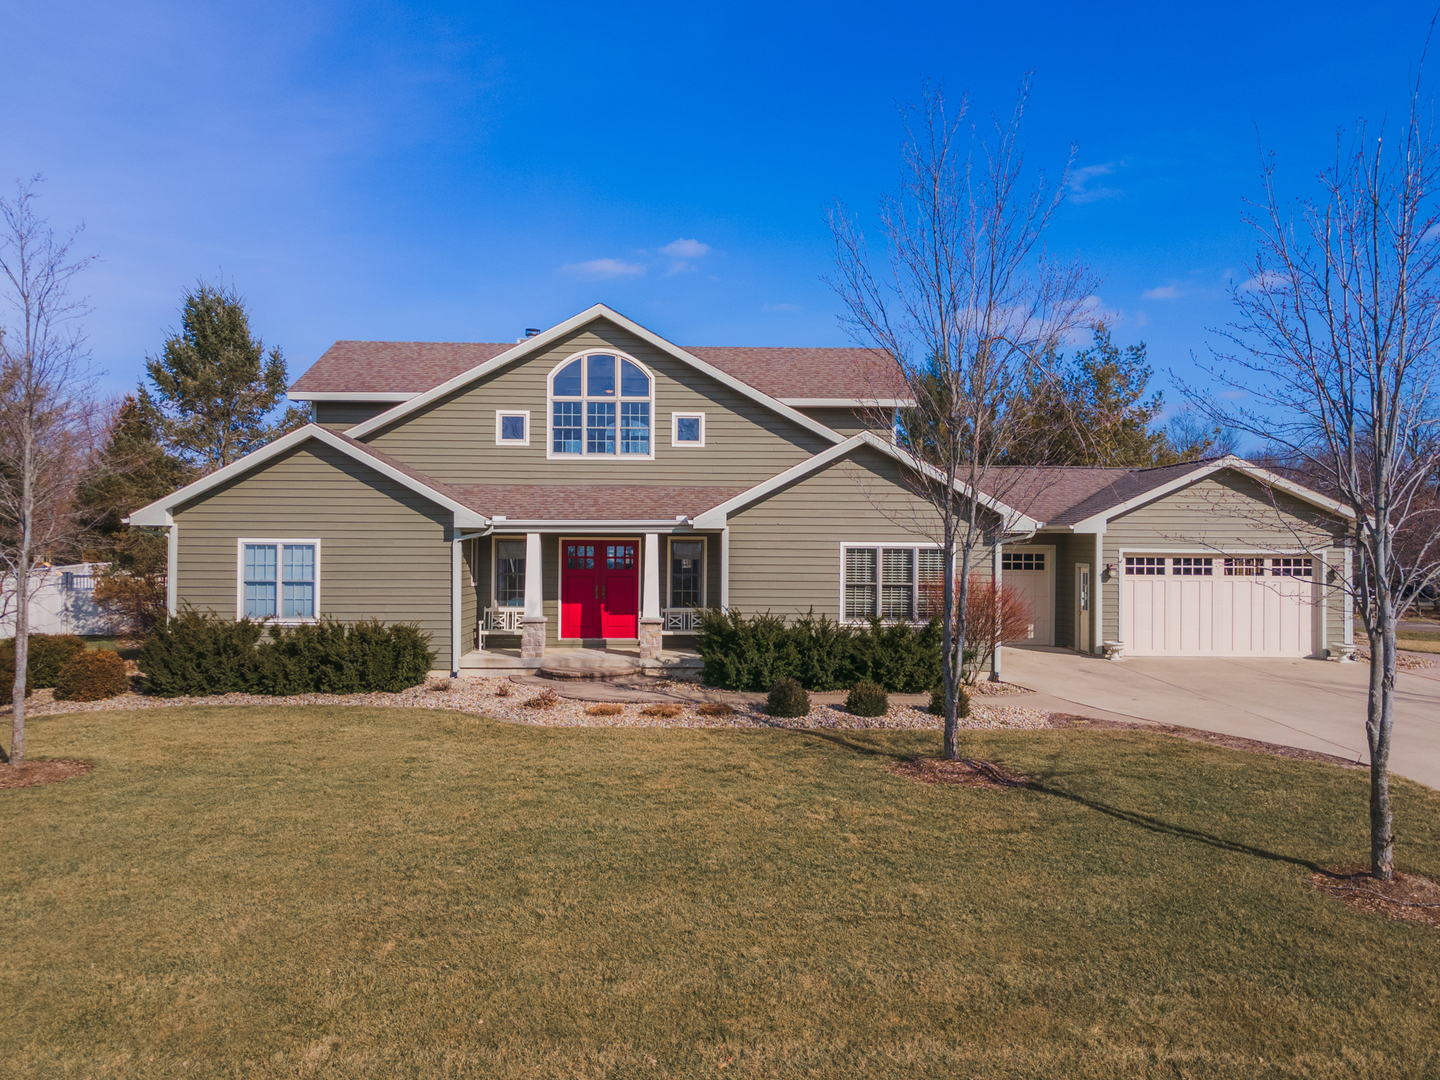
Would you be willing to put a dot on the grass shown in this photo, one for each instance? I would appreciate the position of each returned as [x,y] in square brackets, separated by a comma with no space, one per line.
[345,892]
[1412,640]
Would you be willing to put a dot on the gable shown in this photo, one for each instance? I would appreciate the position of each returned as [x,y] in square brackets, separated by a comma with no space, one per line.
[453,437]
[1226,509]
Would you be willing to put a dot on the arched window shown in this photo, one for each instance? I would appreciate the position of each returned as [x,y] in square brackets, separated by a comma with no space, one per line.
[601,404]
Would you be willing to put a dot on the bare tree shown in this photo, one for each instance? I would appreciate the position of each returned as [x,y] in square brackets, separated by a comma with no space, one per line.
[967,303]
[44,417]
[1337,342]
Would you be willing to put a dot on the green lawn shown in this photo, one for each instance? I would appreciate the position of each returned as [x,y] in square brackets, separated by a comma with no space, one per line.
[348,892]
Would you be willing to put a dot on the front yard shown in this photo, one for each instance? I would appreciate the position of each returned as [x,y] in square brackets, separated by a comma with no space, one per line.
[351,891]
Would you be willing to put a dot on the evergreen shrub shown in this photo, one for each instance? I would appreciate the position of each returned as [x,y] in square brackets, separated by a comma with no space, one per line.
[787,698]
[92,676]
[7,675]
[937,703]
[867,699]
[197,653]
[753,652]
[47,655]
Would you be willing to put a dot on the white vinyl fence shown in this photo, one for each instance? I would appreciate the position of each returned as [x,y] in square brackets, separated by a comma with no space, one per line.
[62,601]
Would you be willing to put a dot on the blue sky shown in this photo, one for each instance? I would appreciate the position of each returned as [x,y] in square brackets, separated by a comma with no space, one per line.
[463,171]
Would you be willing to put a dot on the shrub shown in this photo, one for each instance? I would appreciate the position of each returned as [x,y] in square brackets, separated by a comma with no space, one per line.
[92,676]
[546,699]
[867,699]
[715,709]
[937,702]
[7,673]
[607,708]
[47,654]
[504,690]
[787,698]
[667,712]
[198,653]
[752,653]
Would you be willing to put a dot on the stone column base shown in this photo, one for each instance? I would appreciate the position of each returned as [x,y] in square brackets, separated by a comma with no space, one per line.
[532,637]
[650,639]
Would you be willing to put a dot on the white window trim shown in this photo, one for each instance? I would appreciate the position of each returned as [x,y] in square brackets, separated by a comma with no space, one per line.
[914,575]
[675,419]
[500,415]
[495,566]
[670,566]
[279,561]
[584,455]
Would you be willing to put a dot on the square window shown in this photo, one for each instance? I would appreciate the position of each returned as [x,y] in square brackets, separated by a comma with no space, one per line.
[512,428]
[688,429]
[1145,565]
[279,579]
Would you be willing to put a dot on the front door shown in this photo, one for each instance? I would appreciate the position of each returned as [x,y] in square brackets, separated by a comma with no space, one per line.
[599,589]
[1082,607]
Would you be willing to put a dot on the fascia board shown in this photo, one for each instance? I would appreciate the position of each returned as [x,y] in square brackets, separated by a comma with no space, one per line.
[502,525]
[1097,522]
[160,512]
[543,340]
[846,403]
[337,395]
[715,517]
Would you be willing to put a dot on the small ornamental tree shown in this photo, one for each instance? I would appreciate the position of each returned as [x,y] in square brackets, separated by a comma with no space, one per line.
[992,617]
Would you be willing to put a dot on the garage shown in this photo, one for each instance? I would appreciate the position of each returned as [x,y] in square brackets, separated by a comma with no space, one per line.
[1218,605]
[1029,570]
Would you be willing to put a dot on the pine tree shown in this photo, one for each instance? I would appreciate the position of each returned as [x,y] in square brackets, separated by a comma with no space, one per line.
[129,472]
[215,389]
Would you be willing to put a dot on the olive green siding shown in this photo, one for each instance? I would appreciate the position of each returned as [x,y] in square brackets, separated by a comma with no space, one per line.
[453,439]
[339,415]
[847,421]
[383,548]
[1223,512]
[785,548]
[1070,549]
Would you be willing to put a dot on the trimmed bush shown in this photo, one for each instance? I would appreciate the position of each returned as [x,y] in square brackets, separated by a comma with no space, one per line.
[937,703]
[47,655]
[7,675]
[198,653]
[92,676]
[752,653]
[867,699]
[787,698]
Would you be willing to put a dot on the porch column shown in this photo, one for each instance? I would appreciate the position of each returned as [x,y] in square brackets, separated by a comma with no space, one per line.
[457,604]
[532,623]
[172,570]
[1097,603]
[725,568]
[997,561]
[1349,595]
[651,623]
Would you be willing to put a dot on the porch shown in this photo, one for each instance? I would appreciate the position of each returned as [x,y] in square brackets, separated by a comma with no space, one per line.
[581,663]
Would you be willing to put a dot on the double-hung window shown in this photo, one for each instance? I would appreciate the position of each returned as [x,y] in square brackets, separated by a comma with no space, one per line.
[510,573]
[601,405]
[891,582]
[279,579]
[687,573]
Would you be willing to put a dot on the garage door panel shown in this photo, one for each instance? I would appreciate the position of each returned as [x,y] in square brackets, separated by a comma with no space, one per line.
[1194,613]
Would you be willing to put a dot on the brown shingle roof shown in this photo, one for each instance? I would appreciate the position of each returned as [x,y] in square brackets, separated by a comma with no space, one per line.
[412,367]
[591,502]
[1060,495]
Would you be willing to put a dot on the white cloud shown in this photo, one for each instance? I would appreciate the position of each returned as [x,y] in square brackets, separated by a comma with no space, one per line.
[779,307]
[1163,292]
[1081,192]
[685,249]
[603,269]
[1268,280]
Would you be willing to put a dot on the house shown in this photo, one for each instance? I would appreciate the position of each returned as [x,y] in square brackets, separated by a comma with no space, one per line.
[595,485]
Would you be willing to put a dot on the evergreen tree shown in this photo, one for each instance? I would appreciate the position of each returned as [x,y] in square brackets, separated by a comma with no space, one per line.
[215,388]
[129,472]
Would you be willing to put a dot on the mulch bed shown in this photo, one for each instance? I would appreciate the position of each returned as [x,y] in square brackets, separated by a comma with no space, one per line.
[1406,896]
[962,773]
[1233,742]
[42,771]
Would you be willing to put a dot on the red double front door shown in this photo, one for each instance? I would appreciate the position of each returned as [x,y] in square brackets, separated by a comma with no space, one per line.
[599,589]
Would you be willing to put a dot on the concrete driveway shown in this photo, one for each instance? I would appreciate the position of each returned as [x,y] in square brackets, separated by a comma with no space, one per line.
[1310,704]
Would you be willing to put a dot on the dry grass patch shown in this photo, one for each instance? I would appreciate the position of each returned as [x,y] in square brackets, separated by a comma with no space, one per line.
[715,709]
[605,708]
[664,711]
[546,699]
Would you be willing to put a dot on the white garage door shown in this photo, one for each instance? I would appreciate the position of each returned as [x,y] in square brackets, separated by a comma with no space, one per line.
[1186,605]
[1028,570]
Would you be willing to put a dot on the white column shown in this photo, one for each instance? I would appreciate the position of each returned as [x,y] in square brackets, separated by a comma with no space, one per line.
[1097,604]
[172,570]
[1349,596]
[1320,596]
[457,605]
[650,594]
[534,579]
[725,568]
[997,562]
